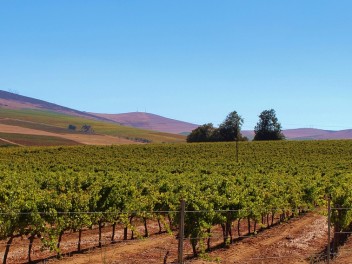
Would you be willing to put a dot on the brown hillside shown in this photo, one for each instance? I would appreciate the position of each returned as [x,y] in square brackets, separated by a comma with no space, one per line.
[341,134]
[154,122]
[15,101]
[309,134]
[303,132]
[150,122]
[86,139]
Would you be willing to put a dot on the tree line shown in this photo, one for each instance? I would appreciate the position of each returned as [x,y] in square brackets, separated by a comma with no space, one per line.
[267,128]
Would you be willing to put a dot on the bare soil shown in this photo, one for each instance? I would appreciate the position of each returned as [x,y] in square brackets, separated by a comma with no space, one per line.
[299,240]
[344,255]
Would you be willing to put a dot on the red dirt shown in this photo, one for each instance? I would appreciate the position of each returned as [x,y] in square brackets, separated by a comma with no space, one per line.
[296,241]
[344,255]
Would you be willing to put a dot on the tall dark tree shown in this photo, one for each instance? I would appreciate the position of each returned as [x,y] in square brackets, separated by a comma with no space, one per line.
[202,133]
[268,127]
[230,129]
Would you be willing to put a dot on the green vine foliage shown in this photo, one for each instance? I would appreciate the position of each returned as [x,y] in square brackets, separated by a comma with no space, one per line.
[45,191]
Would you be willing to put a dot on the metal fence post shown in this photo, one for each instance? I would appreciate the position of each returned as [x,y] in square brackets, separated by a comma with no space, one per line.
[181,232]
[329,229]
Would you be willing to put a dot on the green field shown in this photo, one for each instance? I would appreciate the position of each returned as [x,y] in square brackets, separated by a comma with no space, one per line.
[58,123]
[49,190]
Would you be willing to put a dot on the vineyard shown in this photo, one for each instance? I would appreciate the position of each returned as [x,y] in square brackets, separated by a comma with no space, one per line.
[47,191]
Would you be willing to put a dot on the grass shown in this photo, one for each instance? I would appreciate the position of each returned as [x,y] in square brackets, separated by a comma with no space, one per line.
[58,123]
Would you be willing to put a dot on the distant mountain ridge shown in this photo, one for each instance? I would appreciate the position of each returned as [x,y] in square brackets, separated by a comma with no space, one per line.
[25,121]
[15,101]
[312,133]
[153,122]
[309,134]
[139,120]
[150,122]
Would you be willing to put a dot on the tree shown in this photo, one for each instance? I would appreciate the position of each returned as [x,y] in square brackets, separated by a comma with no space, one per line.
[71,127]
[202,133]
[230,129]
[268,127]
[87,129]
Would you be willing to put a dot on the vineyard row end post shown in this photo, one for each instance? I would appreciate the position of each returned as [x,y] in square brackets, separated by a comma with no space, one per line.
[181,232]
[329,230]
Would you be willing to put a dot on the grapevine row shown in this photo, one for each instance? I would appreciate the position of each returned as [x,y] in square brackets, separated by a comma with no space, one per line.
[41,186]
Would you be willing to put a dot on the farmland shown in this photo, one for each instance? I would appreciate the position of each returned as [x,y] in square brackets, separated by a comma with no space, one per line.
[46,192]
[55,124]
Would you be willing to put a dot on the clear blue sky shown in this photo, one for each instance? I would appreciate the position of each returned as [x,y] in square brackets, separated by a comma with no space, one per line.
[194,61]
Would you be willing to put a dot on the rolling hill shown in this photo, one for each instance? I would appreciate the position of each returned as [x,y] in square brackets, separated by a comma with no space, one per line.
[309,134]
[28,121]
[150,121]
[15,101]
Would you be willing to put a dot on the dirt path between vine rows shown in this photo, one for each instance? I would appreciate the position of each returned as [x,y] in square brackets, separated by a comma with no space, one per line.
[293,242]
[344,255]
